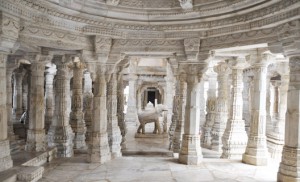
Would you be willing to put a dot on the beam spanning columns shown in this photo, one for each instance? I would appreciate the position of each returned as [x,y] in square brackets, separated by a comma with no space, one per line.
[60,133]
[190,152]
[235,137]
[256,151]
[77,116]
[36,138]
[221,114]
[181,103]
[211,106]
[5,158]
[114,132]
[88,105]
[99,151]
[49,96]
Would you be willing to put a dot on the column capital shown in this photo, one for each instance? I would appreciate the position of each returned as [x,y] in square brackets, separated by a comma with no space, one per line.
[238,63]
[222,68]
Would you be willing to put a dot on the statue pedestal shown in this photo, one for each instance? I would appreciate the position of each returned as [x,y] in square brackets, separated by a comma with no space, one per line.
[151,135]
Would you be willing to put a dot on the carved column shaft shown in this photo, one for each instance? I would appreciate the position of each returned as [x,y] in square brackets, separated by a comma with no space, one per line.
[290,164]
[88,105]
[49,94]
[256,151]
[36,139]
[235,137]
[120,109]
[190,152]
[17,99]
[5,158]
[181,96]
[221,114]
[114,132]
[9,74]
[60,132]
[131,114]
[99,150]
[76,116]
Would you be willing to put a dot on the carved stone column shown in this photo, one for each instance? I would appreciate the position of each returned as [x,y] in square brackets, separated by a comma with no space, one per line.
[76,116]
[99,148]
[49,96]
[114,133]
[131,114]
[202,107]
[246,100]
[169,93]
[256,151]
[235,137]
[9,73]
[181,103]
[88,105]
[5,158]
[211,107]
[60,133]
[120,109]
[18,97]
[221,114]
[36,138]
[289,167]
[190,152]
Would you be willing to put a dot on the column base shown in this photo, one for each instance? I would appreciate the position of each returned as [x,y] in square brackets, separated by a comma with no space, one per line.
[177,142]
[206,138]
[99,151]
[79,141]
[61,137]
[255,160]
[285,178]
[36,140]
[5,158]
[115,144]
[190,153]
[289,169]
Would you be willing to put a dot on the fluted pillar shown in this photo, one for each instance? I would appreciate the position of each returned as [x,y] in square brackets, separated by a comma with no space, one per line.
[114,132]
[190,152]
[9,73]
[76,116]
[235,138]
[88,105]
[36,138]
[99,150]
[49,96]
[18,97]
[180,107]
[5,157]
[211,107]
[221,114]
[120,109]
[60,133]
[256,151]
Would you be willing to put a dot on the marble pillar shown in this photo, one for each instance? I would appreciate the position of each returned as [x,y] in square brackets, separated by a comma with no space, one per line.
[289,168]
[9,73]
[256,151]
[60,133]
[5,157]
[18,97]
[211,107]
[174,116]
[114,133]
[49,97]
[190,152]
[202,108]
[235,138]
[221,114]
[88,105]
[131,114]
[168,96]
[99,151]
[246,102]
[181,96]
[36,138]
[120,109]
[77,116]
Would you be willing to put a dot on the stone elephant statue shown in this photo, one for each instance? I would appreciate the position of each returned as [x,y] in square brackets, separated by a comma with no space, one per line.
[149,116]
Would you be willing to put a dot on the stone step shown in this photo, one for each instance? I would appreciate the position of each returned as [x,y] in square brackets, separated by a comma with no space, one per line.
[17,146]
[9,175]
[30,173]
[147,153]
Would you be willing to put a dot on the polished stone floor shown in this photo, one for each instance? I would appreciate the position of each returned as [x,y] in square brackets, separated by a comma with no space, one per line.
[155,168]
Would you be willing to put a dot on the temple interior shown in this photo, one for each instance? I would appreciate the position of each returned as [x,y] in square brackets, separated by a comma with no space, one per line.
[149,90]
